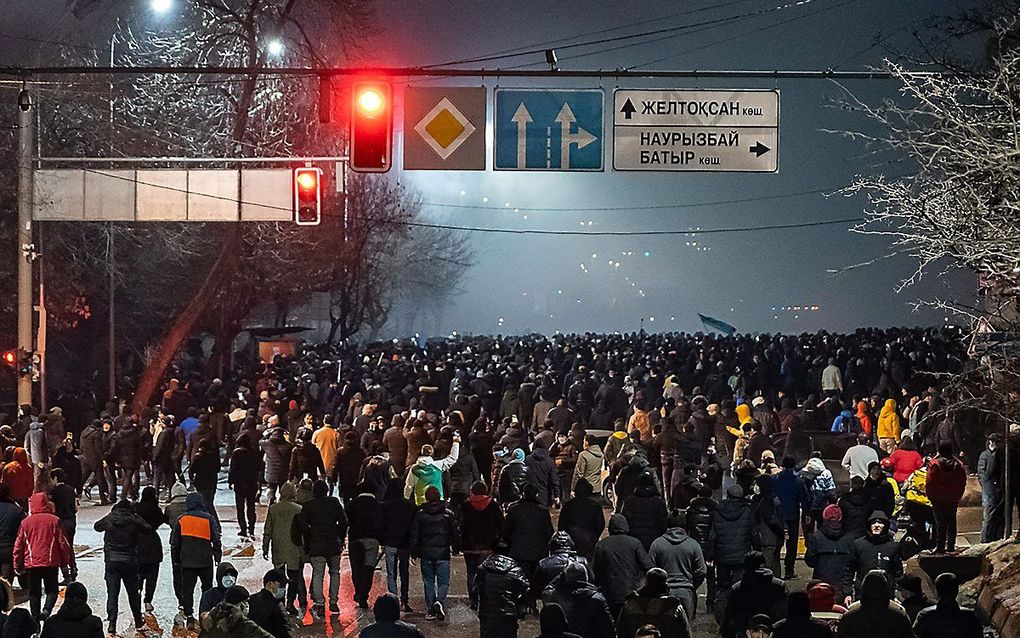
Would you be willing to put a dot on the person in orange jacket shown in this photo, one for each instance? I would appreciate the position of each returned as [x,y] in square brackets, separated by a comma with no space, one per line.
[18,474]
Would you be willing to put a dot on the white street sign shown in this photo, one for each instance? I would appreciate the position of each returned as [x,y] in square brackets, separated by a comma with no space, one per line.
[693,130]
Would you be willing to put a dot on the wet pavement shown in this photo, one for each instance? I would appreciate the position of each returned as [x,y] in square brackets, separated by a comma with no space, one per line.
[461,622]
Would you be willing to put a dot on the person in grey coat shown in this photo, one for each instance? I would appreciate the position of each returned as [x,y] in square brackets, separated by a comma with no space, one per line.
[684,562]
[36,446]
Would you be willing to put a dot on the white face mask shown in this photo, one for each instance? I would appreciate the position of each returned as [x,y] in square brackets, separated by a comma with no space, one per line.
[280,592]
[228,581]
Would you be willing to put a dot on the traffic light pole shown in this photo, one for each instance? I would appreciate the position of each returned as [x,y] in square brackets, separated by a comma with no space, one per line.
[25,251]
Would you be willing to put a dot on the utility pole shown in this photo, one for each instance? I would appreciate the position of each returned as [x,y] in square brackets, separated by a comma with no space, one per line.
[25,250]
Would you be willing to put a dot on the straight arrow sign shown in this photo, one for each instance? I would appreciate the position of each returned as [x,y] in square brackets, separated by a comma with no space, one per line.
[628,109]
[522,117]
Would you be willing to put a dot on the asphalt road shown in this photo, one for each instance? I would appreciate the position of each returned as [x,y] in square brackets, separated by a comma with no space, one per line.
[460,622]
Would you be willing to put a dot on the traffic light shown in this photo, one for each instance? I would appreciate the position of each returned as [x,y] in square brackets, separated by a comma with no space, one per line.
[307,196]
[10,358]
[371,127]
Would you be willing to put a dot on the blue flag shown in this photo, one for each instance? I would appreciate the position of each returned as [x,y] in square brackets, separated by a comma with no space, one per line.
[716,324]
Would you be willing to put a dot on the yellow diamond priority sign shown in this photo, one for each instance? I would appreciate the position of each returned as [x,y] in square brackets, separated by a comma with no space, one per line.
[443,128]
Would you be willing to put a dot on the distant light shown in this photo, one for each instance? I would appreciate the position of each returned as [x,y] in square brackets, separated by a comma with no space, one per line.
[559,292]
[773,308]
[275,49]
[525,217]
[485,199]
[648,253]
[161,6]
[590,222]
[796,316]
[651,319]
[672,318]
[463,193]
[517,210]
[578,300]
[594,255]
[775,316]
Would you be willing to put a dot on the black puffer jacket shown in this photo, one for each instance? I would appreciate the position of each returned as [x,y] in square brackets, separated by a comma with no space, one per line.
[321,526]
[561,554]
[874,552]
[585,607]
[758,592]
[434,532]
[620,562]
[512,478]
[500,583]
[527,528]
[730,536]
[397,516]
[699,520]
[543,475]
[828,552]
[11,516]
[150,547]
[856,508]
[582,517]
[244,469]
[646,514]
[122,529]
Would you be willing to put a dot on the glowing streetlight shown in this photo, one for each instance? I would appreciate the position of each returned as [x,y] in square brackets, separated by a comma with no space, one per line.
[161,7]
[274,48]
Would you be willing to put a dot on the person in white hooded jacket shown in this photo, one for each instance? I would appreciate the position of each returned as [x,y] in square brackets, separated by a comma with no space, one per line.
[821,489]
[427,472]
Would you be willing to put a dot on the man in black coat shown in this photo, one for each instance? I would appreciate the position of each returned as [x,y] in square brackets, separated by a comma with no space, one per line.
[92,462]
[527,529]
[264,607]
[619,563]
[434,538]
[365,517]
[397,515]
[543,475]
[828,551]
[122,529]
[652,605]
[757,592]
[480,522]
[875,550]
[947,618]
[645,511]
[585,607]
[582,517]
[387,621]
[243,479]
[550,568]
[127,451]
[730,538]
[320,529]
[500,584]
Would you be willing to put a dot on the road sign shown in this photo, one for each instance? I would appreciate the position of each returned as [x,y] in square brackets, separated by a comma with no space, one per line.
[444,128]
[548,130]
[686,130]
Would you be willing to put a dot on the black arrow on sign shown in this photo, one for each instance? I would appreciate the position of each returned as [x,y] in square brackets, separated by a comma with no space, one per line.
[759,149]
[628,109]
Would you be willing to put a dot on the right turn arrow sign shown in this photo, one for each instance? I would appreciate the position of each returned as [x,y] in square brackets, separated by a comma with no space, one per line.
[759,149]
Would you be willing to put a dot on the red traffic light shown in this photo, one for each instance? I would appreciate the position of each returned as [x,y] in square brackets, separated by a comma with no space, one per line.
[10,357]
[371,127]
[307,196]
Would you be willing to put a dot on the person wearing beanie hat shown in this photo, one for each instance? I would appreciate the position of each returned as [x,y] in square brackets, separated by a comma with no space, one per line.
[434,537]
[652,605]
[387,621]
[229,619]
[912,595]
[74,618]
[828,551]
[730,538]
[875,551]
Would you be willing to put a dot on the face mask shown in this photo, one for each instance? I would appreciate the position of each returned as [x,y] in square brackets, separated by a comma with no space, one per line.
[228,581]
[280,592]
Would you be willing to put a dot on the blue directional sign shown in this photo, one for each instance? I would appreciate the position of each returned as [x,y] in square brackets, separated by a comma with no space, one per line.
[548,130]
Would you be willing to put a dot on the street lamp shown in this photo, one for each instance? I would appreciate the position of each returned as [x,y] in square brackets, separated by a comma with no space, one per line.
[161,7]
[274,48]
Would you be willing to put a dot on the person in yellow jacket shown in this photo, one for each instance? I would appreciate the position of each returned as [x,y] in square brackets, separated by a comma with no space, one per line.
[744,416]
[888,426]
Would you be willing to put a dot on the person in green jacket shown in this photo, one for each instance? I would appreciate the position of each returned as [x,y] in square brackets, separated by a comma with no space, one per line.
[229,619]
[286,555]
[428,472]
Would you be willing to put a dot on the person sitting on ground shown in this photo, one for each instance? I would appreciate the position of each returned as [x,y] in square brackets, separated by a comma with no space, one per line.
[387,620]
[946,618]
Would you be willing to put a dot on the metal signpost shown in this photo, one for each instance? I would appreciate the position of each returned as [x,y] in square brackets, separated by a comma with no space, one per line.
[548,130]
[687,130]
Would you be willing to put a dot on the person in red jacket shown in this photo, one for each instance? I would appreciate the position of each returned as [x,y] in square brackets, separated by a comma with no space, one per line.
[947,479]
[905,460]
[40,550]
[18,474]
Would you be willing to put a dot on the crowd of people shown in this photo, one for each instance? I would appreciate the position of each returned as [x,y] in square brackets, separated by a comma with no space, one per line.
[595,480]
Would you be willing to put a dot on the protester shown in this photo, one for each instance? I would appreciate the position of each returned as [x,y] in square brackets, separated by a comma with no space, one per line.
[397,514]
[65,506]
[40,549]
[875,551]
[859,457]
[757,592]
[286,554]
[364,532]
[387,621]
[11,516]
[947,481]
[584,606]
[875,615]
[229,619]
[889,426]
[684,562]
[500,585]
[913,598]
[947,618]
[150,547]
[434,537]
[322,526]
[829,550]
[480,522]
[74,618]
[195,546]
[991,474]
[652,604]
[589,465]
[264,607]
[122,532]
[528,528]
[730,538]
[226,577]
[798,622]
[553,623]
[243,479]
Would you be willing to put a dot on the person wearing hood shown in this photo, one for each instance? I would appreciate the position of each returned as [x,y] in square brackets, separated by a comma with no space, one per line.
[798,622]
[846,423]
[730,538]
[888,426]
[856,508]
[40,549]
[365,517]
[204,471]
[543,475]
[589,465]
[645,512]
[276,459]
[553,623]
[18,475]
[226,577]
[550,568]
[913,598]
[305,459]
[387,621]
[684,561]
[36,446]
[501,585]
[946,483]
[480,522]
[584,606]
[875,615]
[428,472]
[347,467]
[619,563]
[821,491]
[653,605]
[167,452]
[757,592]
[829,549]
[947,618]
[859,457]
[434,536]
[150,547]
[582,517]
[512,478]
[397,514]
[243,479]
[876,550]
[91,441]
[122,532]
[320,528]
[278,542]
[174,509]
[769,528]
[74,619]
[195,546]
[229,619]
[528,528]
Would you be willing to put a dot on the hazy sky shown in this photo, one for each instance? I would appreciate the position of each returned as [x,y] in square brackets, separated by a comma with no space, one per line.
[537,283]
